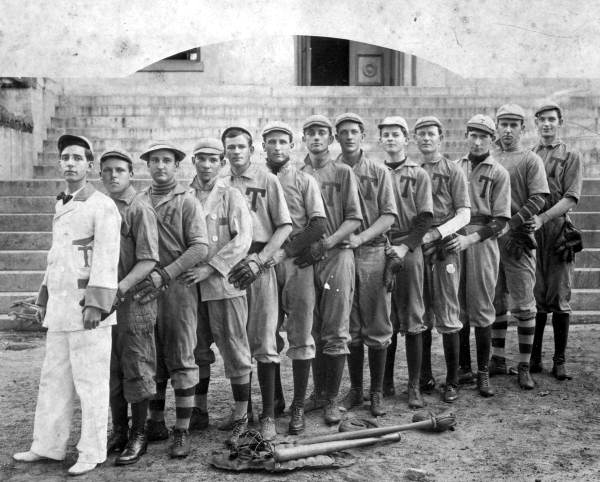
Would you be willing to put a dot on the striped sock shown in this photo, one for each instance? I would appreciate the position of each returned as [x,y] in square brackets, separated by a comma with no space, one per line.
[157,404]
[525,331]
[184,403]
[499,335]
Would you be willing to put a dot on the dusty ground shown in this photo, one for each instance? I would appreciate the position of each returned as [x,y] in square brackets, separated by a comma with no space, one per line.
[550,433]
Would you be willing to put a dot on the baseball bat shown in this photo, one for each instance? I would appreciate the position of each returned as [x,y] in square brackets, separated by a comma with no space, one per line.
[441,423]
[284,454]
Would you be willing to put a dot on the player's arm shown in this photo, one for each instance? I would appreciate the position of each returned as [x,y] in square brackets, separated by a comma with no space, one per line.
[572,178]
[103,282]
[194,234]
[280,217]
[537,187]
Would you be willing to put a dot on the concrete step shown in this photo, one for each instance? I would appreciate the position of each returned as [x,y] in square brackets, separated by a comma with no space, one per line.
[48,187]
[586,278]
[29,204]
[580,317]
[591,186]
[7,298]
[20,280]
[591,238]
[588,202]
[586,299]
[25,241]
[25,222]
[589,220]
[588,258]
[23,260]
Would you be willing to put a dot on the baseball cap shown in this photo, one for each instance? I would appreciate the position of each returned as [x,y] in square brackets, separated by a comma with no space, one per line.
[427,121]
[510,111]
[483,123]
[73,139]
[349,117]
[394,121]
[317,120]
[236,127]
[277,126]
[547,105]
[157,146]
[116,153]
[208,145]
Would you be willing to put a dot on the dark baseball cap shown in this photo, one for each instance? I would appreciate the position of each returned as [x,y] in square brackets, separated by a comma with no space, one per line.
[116,154]
[73,140]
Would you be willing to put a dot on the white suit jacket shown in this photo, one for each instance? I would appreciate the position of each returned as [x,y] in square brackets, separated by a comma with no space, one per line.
[83,260]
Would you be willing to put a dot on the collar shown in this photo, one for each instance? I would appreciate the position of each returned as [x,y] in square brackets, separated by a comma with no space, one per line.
[437,158]
[126,196]
[178,189]
[489,160]
[516,148]
[308,163]
[407,163]
[361,159]
[198,186]
[83,193]
[249,173]
[553,145]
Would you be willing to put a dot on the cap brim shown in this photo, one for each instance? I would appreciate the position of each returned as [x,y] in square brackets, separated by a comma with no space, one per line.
[116,155]
[179,155]
[207,150]
[277,129]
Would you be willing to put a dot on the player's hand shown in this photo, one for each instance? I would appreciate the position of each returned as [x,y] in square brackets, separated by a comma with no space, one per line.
[156,279]
[91,317]
[458,243]
[431,236]
[352,242]
[277,258]
[396,251]
[535,222]
[196,274]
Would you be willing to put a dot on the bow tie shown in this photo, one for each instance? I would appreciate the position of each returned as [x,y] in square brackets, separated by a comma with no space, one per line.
[64,196]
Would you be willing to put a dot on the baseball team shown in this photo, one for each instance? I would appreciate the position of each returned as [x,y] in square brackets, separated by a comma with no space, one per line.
[337,253]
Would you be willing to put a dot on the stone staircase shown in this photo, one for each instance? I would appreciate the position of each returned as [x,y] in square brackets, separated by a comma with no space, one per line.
[130,119]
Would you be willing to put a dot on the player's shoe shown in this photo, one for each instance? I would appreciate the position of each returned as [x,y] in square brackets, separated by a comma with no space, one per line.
[28,456]
[156,431]
[117,440]
[279,407]
[354,398]
[238,427]
[199,420]
[524,377]
[81,468]
[313,403]
[559,371]
[415,398]
[483,384]
[427,384]
[267,428]
[297,421]
[536,366]
[497,366]
[180,446]
[388,389]
[135,448]
[331,412]
[450,393]
[376,407]
[465,376]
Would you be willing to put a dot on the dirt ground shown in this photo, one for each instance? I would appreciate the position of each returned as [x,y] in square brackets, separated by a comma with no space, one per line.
[549,433]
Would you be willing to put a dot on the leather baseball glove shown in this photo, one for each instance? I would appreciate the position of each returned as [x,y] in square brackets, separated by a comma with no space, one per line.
[26,311]
[244,273]
[146,290]
[520,241]
[568,243]
[313,254]
[393,264]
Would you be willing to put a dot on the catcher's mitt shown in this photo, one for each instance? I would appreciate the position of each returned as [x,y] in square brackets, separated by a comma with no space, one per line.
[26,311]
[393,264]
[146,290]
[244,273]
[519,242]
[568,243]
[311,255]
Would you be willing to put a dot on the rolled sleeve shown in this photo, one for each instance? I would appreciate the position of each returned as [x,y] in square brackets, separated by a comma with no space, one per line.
[278,209]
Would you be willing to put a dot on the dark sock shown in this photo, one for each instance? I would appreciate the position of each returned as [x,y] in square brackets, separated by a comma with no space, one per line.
[538,336]
[414,357]
[464,357]
[118,409]
[139,412]
[334,369]
[483,341]
[202,386]
[240,391]
[560,323]
[451,342]
[426,355]
[157,403]
[300,371]
[278,387]
[318,370]
[266,380]
[249,410]
[390,360]
[376,368]
[355,366]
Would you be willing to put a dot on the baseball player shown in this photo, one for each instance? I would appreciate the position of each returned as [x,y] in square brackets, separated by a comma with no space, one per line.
[77,293]
[334,265]
[296,284]
[412,191]
[529,187]
[271,225]
[133,359]
[554,271]
[223,311]
[370,322]
[182,244]
[489,192]
[451,212]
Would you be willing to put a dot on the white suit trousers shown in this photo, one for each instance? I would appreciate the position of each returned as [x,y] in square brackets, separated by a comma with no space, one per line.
[76,363]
